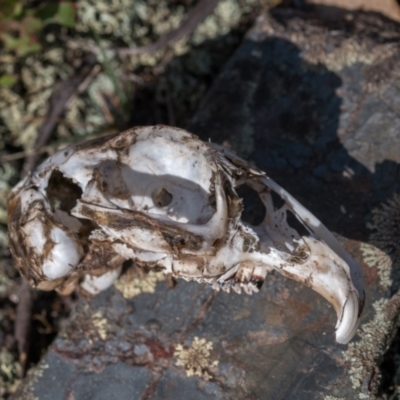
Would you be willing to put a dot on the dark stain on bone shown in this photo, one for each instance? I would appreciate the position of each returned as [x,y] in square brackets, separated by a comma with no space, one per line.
[127,219]
[218,244]
[196,262]
[250,242]
[27,260]
[299,257]
[14,232]
[179,239]
[235,204]
[241,275]
[309,281]
[100,255]
[108,176]
[94,144]
[124,140]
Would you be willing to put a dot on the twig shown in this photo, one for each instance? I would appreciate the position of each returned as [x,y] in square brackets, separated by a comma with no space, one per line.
[84,84]
[23,154]
[51,149]
[194,17]
[57,103]
[22,325]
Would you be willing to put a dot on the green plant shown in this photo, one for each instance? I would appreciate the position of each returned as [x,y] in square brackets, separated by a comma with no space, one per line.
[21,25]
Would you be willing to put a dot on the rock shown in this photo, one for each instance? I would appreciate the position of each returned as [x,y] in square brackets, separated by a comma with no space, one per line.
[314,103]
[389,8]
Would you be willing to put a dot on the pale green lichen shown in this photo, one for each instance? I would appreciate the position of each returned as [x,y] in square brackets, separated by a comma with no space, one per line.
[196,358]
[3,239]
[22,115]
[7,174]
[10,373]
[333,398]
[131,286]
[226,15]
[362,355]
[385,228]
[96,325]
[348,52]
[100,325]
[73,120]
[106,17]
[5,285]
[376,258]
[27,389]
[11,110]
[130,21]
[385,225]
[118,23]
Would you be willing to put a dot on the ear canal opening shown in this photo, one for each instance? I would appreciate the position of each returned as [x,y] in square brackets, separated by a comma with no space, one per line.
[254,210]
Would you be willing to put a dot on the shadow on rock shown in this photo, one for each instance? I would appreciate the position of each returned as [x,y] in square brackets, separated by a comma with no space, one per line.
[286,115]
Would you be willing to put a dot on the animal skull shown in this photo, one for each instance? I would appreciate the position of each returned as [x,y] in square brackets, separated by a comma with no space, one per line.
[161,197]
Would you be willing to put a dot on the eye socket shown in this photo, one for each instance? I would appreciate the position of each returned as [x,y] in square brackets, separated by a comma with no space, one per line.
[62,192]
[161,197]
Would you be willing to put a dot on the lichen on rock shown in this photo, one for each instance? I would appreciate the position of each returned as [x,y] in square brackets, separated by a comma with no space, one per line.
[376,258]
[196,358]
[385,225]
[362,356]
[136,282]
[27,391]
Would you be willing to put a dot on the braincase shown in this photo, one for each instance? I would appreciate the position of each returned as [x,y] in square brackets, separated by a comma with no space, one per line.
[156,170]
[171,153]
[166,174]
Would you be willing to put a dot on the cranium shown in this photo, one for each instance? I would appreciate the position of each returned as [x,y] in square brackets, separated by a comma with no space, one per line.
[164,199]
